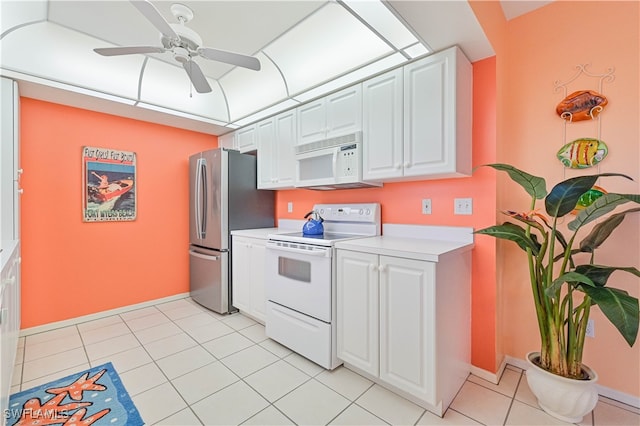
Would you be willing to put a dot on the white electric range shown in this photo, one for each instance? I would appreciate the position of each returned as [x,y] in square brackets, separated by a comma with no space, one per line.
[300,280]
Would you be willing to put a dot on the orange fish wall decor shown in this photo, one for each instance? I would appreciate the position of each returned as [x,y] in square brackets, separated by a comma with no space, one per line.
[581,105]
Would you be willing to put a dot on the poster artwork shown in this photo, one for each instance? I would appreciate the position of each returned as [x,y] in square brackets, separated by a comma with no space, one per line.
[109,178]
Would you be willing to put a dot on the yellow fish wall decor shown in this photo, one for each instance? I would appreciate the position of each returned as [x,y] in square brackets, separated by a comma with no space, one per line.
[582,153]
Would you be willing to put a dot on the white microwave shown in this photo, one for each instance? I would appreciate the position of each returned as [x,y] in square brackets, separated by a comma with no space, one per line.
[334,163]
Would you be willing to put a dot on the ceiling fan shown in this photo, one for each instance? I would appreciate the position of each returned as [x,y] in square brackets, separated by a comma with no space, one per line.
[183,42]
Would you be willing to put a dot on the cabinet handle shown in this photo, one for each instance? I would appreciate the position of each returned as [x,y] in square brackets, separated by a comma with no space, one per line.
[407,165]
[372,267]
[382,268]
[20,191]
[20,171]
[398,166]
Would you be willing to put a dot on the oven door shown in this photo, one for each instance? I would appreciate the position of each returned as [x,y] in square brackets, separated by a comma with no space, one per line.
[298,276]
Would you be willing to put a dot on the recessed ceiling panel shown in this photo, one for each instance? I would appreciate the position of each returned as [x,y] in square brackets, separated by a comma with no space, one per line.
[14,13]
[169,86]
[49,51]
[248,91]
[384,21]
[329,43]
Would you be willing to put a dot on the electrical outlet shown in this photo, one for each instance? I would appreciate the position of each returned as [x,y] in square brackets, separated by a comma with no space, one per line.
[289,207]
[426,206]
[463,206]
[591,329]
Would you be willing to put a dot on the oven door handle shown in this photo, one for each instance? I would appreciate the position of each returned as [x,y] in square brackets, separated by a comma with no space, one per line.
[319,253]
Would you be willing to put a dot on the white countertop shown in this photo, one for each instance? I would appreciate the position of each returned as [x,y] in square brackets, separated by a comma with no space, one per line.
[285,225]
[428,243]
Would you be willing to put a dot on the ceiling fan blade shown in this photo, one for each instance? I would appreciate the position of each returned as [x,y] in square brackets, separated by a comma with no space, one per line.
[151,13]
[196,76]
[230,58]
[130,50]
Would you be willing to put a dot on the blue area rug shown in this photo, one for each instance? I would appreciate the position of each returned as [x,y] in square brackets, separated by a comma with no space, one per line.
[95,396]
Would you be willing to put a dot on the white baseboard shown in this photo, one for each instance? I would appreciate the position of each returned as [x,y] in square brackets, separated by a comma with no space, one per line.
[487,375]
[98,315]
[616,395]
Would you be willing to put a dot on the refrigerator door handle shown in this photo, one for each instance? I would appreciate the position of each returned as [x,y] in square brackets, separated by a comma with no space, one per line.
[200,207]
[203,256]
[205,190]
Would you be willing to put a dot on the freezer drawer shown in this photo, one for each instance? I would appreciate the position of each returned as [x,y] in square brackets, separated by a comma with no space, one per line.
[307,336]
[209,278]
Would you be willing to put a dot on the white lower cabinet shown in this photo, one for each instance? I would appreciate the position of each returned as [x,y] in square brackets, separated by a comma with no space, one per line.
[9,318]
[247,269]
[399,323]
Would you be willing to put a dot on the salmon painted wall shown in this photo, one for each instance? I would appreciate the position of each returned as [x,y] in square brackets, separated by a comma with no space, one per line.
[543,47]
[71,268]
[401,203]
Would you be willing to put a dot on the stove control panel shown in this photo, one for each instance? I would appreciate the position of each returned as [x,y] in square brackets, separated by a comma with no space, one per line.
[363,212]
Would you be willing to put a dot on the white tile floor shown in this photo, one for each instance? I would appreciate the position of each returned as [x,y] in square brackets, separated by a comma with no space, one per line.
[185,365]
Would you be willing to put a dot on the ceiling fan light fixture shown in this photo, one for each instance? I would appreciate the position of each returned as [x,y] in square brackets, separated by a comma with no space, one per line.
[181,55]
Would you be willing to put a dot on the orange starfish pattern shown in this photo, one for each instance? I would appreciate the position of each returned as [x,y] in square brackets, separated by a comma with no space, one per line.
[82,384]
[78,417]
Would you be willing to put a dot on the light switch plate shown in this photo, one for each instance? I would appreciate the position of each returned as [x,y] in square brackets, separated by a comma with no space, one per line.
[463,206]
[426,206]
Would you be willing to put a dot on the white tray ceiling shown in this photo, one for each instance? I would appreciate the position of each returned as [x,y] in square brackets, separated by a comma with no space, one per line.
[306,48]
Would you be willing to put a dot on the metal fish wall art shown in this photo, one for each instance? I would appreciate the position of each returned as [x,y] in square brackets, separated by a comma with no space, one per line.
[582,153]
[581,105]
[588,198]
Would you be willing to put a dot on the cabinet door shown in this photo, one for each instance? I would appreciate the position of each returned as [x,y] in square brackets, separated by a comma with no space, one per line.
[382,126]
[407,325]
[312,121]
[246,138]
[241,273]
[285,138]
[256,265]
[227,141]
[357,310]
[344,111]
[267,155]
[429,110]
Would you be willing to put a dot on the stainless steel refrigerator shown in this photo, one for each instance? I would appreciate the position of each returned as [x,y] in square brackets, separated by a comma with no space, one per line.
[223,197]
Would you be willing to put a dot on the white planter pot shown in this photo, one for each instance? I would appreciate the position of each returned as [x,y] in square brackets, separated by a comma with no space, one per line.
[563,398]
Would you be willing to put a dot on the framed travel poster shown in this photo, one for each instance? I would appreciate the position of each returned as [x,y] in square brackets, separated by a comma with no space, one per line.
[109,185]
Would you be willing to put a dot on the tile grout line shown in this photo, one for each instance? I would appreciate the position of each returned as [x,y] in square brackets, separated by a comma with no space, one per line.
[513,398]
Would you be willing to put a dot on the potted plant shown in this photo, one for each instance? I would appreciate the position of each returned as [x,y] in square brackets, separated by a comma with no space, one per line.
[566,282]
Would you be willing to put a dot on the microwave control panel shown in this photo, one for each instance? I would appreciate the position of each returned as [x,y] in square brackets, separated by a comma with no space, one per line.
[348,160]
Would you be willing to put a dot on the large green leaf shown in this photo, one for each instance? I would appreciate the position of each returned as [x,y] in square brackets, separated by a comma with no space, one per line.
[534,185]
[599,274]
[569,277]
[512,232]
[564,196]
[621,309]
[600,207]
[601,231]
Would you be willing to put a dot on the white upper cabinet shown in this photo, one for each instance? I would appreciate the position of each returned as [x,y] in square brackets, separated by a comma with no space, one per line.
[227,141]
[246,138]
[276,139]
[382,126]
[334,115]
[437,116]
